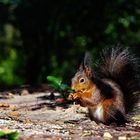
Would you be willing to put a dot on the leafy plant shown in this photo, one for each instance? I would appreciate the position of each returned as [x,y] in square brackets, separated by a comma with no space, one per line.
[9,136]
[57,84]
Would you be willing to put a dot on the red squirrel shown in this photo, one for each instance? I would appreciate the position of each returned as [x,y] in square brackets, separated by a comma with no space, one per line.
[110,91]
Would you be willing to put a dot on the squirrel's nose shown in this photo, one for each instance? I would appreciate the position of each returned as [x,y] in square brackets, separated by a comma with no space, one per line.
[73,87]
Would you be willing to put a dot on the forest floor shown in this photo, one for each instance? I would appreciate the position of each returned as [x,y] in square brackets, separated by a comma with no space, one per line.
[39,114]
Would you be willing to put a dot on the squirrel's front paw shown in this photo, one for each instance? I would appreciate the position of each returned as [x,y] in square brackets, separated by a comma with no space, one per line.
[73,96]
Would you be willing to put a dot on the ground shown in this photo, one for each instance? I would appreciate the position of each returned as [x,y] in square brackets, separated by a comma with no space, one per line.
[40,113]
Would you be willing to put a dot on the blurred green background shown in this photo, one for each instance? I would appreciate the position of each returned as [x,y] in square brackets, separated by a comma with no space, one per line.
[48,37]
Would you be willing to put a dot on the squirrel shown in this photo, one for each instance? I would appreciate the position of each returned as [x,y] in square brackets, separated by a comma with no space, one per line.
[111,91]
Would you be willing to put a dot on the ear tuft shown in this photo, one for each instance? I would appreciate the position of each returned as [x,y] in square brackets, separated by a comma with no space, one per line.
[88,64]
[87,60]
[81,67]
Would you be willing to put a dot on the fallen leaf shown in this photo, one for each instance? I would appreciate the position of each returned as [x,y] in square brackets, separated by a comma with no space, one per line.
[60,100]
[4,105]
[13,115]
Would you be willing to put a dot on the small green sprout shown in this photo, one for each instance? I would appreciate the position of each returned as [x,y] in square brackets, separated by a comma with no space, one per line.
[57,84]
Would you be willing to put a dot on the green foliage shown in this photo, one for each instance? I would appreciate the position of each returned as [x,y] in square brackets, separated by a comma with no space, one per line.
[9,136]
[8,66]
[10,60]
[33,45]
[57,84]
[2,134]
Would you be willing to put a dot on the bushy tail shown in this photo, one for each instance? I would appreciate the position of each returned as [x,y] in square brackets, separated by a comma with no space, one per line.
[123,67]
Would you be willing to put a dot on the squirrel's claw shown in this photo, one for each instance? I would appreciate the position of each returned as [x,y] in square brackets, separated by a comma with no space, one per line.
[73,96]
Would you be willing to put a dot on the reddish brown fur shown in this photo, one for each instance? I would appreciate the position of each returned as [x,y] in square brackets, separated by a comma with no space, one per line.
[90,96]
[107,93]
[106,105]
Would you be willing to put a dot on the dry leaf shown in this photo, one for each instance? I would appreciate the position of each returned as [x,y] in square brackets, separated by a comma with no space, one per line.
[4,105]
[13,115]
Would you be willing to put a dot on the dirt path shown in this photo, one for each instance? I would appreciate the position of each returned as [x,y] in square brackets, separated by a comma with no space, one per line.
[39,116]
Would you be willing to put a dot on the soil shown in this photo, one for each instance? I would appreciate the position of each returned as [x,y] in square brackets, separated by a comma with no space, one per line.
[40,113]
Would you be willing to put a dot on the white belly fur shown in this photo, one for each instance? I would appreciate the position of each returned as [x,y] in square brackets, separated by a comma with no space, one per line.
[98,113]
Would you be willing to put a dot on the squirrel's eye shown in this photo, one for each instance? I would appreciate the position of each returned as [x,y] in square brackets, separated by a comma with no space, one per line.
[82,80]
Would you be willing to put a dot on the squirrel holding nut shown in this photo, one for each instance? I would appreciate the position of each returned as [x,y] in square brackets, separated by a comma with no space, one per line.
[112,89]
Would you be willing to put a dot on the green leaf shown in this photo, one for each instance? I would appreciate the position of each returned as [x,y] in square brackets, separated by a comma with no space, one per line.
[57,85]
[2,134]
[55,82]
[9,136]
[12,136]
[64,87]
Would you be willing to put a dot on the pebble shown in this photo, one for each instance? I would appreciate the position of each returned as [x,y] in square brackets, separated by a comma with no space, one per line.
[24,92]
[122,138]
[107,136]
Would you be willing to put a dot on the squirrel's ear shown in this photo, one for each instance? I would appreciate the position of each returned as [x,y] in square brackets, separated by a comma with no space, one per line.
[88,64]
[87,60]
[81,67]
